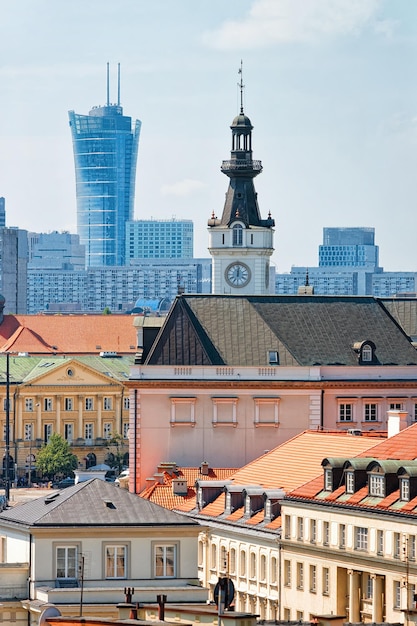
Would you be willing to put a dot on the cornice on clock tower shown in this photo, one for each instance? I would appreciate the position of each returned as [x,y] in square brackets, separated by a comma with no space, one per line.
[241,242]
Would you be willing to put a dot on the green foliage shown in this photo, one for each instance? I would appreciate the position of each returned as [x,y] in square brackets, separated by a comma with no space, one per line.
[116,447]
[106,311]
[56,457]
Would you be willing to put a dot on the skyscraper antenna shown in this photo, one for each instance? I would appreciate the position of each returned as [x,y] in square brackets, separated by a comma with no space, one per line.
[118,84]
[241,85]
[108,84]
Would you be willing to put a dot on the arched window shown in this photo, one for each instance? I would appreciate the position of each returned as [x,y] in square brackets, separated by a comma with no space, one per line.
[237,235]
[367,353]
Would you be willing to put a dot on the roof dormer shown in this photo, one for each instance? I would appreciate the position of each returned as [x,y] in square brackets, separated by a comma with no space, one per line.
[407,478]
[233,499]
[382,477]
[355,472]
[366,351]
[208,491]
[272,504]
[333,472]
[253,500]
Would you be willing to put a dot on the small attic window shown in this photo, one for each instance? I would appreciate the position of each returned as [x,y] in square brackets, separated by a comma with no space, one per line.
[367,353]
[273,357]
[377,485]
[350,482]
[328,479]
[405,489]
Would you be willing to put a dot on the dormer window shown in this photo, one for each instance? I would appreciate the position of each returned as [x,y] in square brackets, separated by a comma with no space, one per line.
[350,482]
[405,489]
[237,235]
[367,353]
[273,358]
[328,480]
[377,486]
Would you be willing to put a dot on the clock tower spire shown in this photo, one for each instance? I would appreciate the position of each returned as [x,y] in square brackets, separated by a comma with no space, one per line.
[241,242]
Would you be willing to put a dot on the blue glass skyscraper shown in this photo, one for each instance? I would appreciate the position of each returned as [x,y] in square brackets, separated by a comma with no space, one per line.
[105,146]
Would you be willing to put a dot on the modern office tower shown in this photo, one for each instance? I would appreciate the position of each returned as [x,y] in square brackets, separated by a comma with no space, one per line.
[349,247]
[159,239]
[2,212]
[105,146]
[56,251]
[119,288]
[13,269]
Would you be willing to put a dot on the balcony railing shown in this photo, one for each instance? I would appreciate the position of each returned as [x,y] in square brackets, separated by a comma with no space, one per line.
[241,164]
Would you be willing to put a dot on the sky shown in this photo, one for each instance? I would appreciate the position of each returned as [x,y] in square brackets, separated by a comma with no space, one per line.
[329,85]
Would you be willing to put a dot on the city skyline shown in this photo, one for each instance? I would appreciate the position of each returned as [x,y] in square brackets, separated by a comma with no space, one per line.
[329,88]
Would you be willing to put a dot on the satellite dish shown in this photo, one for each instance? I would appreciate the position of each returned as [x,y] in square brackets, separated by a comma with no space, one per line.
[51,611]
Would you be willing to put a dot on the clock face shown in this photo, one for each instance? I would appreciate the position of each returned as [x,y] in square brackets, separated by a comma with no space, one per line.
[237,274]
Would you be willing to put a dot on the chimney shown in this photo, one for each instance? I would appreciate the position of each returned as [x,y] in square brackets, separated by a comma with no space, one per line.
[179,487]
[204,468]
[397,420]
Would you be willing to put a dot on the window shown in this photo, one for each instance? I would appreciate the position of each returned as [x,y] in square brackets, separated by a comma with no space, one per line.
[88,431]
[232,562]
[313,531]
[89,404]
[213,557]
[223,559]
[29,404]
[326,581]
[361,538]
[68,432]
[237,235]
[125,430]
[274,569]
[404,489]
[300,576]
[380,542]
[369,587]
[266,411]
[47,432]
[342,536]
[328,479]
[313,578]
[397,546]
[225,411]
[376,486]
[66,562]
[107,404]
[287,527]
[412,547]
[165,560]
[367,353]
[47,404]
[415,412]
[287,573]
[107,430]
[115,566]
[252,570]
[242,569]
[396,406]
[397,594]
[300,528]
[69,404]
[371,412]
[326,533]
[183,411]
[126,403]
[345,412]
[5,404]
[28,432]
[350,482]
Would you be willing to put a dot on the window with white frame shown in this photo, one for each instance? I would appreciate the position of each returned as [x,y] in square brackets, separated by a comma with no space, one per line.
[107,429]
[125,430]
[396,406]
[313,578]
[376,485]
[89,404]
[287,527]
[183,411]
[48,404]
[342,536]
[326,581]
[165,560]
[350,482]
[287,573]
[66,561]
[300,528]
[313,531]
[126,403]
[326,533]
[225,411]
[397,594]
[412,547]
[361,538]
[107,404]
[300,575]
[369,587]
[223,559]
[345,411]
[396,546]
[371,412]
[116,561]
[47,432]
[405,489]
[328,479]
[237,235]
[29,404]
[266,411]
[232,561]
[380,542]
[68,431]
[88,431]
[69,404]
[367,353]
[28,431]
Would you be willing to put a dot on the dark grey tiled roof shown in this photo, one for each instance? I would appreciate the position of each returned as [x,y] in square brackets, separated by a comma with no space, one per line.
[304,330]
[92,503]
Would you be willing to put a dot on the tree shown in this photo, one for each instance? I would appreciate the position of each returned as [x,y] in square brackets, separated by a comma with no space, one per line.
[106,310]
[116,454]
[56,457]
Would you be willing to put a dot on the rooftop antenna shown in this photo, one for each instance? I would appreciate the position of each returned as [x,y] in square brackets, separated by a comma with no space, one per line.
[241,85]
[118,84]
[108,84]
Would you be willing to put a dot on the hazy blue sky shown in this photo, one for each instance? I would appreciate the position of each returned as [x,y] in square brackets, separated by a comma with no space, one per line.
[330,87]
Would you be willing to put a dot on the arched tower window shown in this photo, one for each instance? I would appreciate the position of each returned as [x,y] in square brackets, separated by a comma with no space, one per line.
[237,235]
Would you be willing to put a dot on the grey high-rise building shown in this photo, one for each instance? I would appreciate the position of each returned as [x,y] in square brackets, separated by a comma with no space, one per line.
[105,146]
[349,247]
[159,239]
[2,212]
[13,269]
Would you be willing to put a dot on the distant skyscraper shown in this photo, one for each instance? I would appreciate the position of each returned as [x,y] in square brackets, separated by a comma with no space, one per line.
[13,269]
[349,247]
[55,251]
[159,239]
[2,212]
[105,146]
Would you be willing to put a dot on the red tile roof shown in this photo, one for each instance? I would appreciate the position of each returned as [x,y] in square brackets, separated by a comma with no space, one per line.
[68,334]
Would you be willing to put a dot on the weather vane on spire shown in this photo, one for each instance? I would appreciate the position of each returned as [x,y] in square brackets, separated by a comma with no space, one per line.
[241,85]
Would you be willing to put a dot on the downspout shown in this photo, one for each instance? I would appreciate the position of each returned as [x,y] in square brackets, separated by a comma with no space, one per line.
[135,437]
[322,410]
[279,578]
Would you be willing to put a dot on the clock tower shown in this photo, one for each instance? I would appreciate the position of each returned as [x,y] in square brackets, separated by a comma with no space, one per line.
[241,243]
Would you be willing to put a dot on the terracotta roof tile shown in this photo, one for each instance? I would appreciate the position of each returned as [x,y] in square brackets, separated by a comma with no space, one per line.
[258,518]
[402,446]
[276,523]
